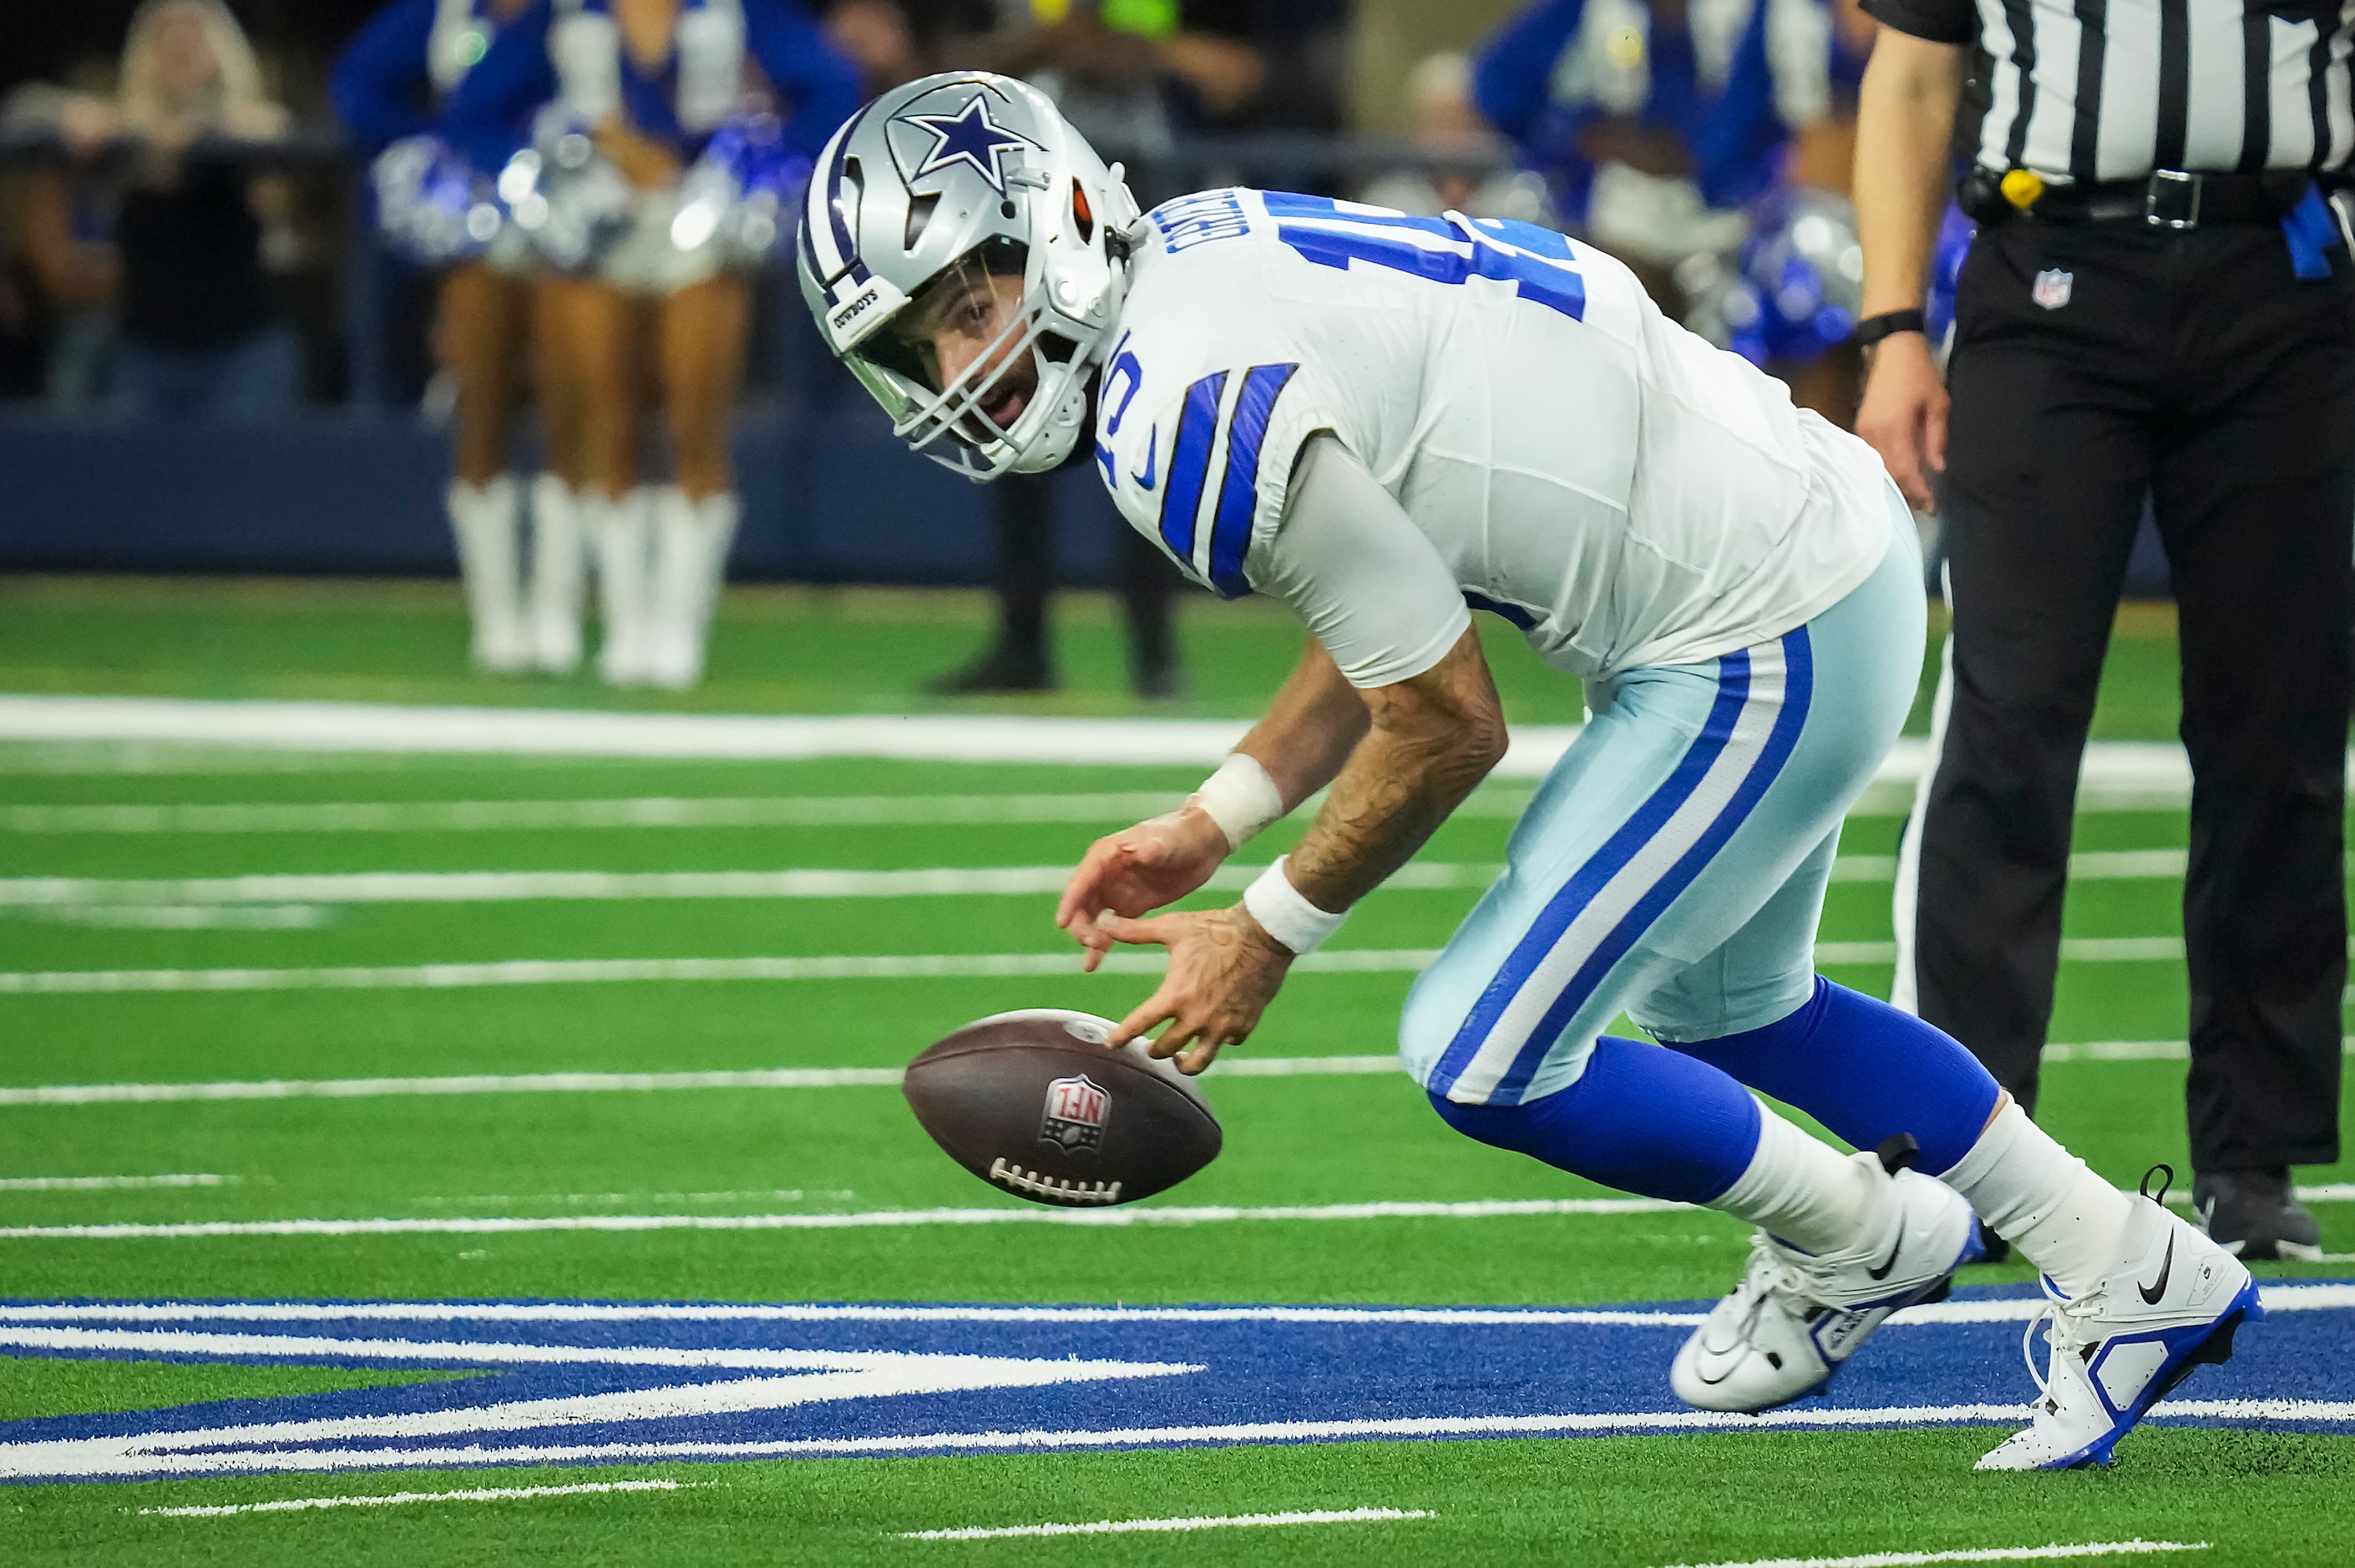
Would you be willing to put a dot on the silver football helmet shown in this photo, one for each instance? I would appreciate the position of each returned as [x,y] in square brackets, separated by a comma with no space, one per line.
[938,188]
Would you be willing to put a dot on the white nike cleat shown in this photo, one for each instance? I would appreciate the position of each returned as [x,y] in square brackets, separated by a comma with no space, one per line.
[1796,1318]
[2173,1303]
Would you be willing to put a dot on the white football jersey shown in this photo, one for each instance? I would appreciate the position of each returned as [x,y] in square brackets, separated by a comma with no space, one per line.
[1623,492]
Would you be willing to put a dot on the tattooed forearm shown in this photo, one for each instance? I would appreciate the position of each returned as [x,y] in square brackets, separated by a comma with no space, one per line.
[1432,740]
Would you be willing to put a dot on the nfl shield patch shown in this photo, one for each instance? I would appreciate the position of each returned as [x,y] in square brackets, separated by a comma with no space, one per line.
[1074,1117]
[2052,288]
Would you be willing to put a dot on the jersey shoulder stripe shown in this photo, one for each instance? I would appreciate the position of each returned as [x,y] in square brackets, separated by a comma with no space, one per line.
[1189,464]
[1223,421]
[1230,530]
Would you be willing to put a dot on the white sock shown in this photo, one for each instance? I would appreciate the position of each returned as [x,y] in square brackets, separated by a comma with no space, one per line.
[483,518]
[1804,1192]
[2041,1199]
[558,573]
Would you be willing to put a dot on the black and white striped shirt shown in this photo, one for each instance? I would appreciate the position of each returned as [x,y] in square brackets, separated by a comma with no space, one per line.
[2110,90]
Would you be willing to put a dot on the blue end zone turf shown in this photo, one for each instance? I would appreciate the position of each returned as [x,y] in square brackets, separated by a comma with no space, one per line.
[610,1382]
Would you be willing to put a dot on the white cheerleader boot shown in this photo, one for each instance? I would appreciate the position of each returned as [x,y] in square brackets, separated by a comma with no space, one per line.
[559,574]
[483,518]
[621,532]
[691,541]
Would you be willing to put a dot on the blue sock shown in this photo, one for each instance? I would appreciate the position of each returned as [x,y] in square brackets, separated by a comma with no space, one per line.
[1865,1070]
[1641,1119]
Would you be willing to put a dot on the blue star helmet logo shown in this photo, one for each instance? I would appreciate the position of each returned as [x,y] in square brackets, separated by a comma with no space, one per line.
[969,136]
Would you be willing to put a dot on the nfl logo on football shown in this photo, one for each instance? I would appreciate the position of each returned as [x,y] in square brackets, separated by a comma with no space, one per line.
[1076,1108]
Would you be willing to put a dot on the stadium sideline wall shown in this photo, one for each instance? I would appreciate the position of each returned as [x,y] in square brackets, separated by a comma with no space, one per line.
[829,497]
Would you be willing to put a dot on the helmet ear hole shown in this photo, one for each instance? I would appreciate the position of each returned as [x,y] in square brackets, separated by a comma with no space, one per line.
[920,217]
[1083,217]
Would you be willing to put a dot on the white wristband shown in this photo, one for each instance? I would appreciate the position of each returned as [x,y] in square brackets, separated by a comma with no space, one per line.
[1240,797]
[1285,915]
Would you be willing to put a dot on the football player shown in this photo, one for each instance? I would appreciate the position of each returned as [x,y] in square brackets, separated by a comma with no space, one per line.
[1386,422]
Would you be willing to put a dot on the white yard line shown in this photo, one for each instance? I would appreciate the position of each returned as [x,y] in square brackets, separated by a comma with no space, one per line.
[866,965]
[290,899]
[493,886]
[108,1183]
[2087,865]
[903,1219]
[175,916]
[639,811]
[2158,772]
[580,971]
[891,1219]
[811,1078]
[296,1459]
[1164,1526]
[643,812]
[1972,1555]
[2279,1298]
[597,1083]
[389,1500]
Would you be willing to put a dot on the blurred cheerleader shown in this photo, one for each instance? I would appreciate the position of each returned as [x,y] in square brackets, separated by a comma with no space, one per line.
[439,210]
[651,183]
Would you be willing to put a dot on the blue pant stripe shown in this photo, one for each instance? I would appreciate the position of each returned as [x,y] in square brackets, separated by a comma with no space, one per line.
[1596,875]
[1798,683]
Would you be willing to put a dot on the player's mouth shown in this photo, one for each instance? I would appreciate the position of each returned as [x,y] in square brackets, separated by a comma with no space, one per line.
[1005,405]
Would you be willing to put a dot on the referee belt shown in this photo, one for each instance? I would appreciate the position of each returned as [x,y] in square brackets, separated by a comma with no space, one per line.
[2165,198]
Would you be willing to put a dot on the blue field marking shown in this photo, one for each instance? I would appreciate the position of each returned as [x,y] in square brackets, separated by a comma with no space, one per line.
[603,1382]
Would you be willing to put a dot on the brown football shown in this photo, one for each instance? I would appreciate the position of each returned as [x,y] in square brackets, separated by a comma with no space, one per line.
[1034,1104]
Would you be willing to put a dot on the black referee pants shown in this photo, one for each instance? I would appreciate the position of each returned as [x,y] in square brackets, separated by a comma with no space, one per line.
[2193,366]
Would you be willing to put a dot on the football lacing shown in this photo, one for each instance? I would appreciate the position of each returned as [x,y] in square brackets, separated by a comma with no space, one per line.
[1062,1188]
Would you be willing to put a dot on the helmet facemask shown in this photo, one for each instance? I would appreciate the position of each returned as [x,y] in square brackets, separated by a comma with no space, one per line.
[986,290]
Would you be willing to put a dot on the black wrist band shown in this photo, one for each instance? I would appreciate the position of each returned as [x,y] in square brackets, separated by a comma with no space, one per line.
[1872,329]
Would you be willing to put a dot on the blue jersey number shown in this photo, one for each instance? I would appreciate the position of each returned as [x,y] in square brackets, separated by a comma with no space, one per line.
[1536,261]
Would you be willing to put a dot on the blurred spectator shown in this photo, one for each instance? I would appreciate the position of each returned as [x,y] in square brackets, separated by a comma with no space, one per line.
[64,224]
[1786,130]
[385,87]
[632,115]
[1128,74]
[1606,98]
[879,38]
[1444,120]
[195,331]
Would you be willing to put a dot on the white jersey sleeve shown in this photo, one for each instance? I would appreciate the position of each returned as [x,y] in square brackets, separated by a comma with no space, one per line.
[1349,562]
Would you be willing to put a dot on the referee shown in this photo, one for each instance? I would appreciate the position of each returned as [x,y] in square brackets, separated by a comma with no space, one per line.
[2158,302]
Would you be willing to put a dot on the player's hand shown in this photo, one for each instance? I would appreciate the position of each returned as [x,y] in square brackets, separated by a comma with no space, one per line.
[1137,871]
[1223,972]
[1904,415]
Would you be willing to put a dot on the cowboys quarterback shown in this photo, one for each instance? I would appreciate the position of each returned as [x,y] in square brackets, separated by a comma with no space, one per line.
[1386,422]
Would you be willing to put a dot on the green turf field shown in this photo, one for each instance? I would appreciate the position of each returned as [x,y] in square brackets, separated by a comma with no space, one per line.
[537,1152]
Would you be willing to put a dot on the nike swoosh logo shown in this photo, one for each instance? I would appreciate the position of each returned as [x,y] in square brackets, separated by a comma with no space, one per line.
[1890,1261]
[1152,452]
[2151,1293]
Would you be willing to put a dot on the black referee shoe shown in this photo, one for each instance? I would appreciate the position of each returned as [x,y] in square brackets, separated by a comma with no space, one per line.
[2254,1213]
[1002,669]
